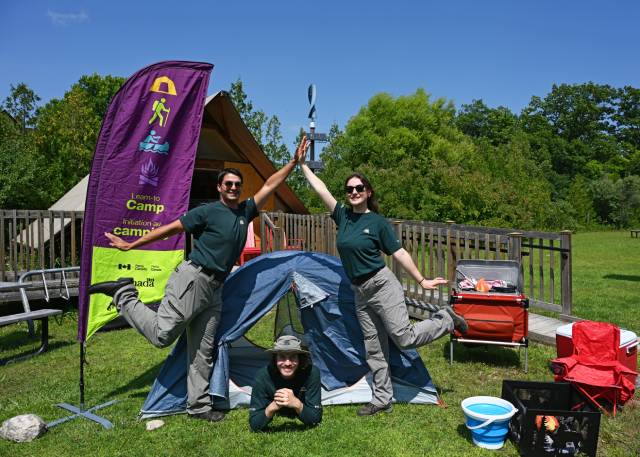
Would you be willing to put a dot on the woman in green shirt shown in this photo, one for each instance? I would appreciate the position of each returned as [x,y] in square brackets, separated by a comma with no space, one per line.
[288,386]
[363,235]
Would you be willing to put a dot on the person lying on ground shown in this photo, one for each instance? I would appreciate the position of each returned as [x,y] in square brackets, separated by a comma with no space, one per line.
[288,386]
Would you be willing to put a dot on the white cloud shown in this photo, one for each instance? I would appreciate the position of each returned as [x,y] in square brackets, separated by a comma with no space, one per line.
[65,19]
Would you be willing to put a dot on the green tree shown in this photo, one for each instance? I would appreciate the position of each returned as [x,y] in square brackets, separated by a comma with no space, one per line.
[99,91]
[627,117]
[603,195]
[67,130]
[477,120]
[265,129]
[627,209]
[21,104]
[581,202]
[575,124]
[23,168]
[409,148]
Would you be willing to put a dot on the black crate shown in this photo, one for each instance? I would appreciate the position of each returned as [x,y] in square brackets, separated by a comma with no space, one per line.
[577,432]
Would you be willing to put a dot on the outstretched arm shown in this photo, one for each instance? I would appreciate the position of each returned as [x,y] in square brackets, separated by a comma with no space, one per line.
[279,176]
[156,234]
[318,186]
[407,263]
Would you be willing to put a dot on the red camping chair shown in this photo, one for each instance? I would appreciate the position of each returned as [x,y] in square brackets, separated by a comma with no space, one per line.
[252,246]
[594,368]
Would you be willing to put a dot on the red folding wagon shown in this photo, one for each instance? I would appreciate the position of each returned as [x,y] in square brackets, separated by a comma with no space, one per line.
[489,295]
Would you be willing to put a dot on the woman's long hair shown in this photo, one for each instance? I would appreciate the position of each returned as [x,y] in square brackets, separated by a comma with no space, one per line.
[372,201]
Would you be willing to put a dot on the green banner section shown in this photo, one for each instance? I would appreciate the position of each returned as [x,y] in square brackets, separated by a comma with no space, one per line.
[149,269]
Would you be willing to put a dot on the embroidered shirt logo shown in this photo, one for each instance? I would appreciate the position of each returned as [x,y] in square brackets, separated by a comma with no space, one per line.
[241,221]
[366,231]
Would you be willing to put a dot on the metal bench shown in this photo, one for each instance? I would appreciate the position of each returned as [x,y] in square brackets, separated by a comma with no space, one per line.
[635,233]
[43,316]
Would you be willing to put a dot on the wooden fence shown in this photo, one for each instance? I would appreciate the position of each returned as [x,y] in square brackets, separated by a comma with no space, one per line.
[435,247]
[38,240]
[33,239]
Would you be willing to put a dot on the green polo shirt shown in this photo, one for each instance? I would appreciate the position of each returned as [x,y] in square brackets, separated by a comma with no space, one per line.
[220,233]
[361,237]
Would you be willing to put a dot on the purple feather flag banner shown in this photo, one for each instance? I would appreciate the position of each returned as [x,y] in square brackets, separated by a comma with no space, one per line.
[140,179]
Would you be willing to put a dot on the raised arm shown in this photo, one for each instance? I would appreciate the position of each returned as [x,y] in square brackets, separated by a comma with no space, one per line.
[318,186]
[279,176]
[156,234]
[405,260]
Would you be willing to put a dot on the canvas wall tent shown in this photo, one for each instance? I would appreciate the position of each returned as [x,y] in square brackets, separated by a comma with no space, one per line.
[71,201]
[324,305]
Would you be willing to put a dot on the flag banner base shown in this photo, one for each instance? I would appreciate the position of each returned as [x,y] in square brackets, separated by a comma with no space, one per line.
[86,413]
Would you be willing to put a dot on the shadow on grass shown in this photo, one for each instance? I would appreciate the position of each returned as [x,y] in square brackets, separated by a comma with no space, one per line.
[20,341]
[143,381]
[288,427]
[491,355]
[617,277]
[465,433]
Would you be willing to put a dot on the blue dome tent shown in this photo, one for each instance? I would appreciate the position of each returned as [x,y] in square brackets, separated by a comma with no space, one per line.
[323,316]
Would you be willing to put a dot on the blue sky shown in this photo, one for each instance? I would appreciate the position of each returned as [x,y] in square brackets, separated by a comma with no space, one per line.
[500,51]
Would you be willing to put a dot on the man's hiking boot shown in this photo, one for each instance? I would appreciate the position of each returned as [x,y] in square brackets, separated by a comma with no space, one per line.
[458,321]
[212,415]
[109,287]
[370,409]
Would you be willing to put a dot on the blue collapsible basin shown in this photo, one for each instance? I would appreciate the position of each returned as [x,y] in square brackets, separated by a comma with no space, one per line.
[488,419]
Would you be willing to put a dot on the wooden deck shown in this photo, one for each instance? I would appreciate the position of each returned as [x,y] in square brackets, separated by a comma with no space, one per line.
[542,329]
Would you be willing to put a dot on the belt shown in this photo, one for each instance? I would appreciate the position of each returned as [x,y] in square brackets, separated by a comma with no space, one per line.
[365,277]
[218,276]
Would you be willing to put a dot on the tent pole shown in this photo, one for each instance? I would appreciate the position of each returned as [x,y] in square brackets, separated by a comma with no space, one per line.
[81,412]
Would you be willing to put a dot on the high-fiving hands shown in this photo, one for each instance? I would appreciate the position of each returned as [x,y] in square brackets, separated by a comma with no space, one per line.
[301,151]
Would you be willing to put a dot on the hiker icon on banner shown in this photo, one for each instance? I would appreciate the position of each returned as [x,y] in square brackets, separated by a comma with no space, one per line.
[158,109]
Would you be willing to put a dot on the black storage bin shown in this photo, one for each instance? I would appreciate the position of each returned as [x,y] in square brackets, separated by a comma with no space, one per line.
[533,428]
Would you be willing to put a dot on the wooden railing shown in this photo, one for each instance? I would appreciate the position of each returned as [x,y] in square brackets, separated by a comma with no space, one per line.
[38,240]
[32,239]
[545,257]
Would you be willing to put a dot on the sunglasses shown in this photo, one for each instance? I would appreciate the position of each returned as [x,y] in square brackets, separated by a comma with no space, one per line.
[359,188]
[231,184]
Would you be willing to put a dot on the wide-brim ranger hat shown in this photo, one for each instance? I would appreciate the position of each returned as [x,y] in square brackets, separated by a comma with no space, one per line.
[288,344]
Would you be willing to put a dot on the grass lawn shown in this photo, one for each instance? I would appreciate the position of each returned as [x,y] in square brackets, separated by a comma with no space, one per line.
[606,278]
[122,365]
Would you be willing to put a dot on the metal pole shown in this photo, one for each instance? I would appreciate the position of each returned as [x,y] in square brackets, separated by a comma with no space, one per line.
[312,149]
[82,360]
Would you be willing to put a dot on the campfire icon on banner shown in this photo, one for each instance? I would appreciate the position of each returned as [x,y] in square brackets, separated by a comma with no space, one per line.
[149,174]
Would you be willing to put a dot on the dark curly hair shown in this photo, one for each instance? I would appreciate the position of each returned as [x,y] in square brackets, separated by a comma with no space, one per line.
[304,362]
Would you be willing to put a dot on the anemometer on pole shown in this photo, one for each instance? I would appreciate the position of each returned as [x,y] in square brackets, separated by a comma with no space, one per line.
[311,134]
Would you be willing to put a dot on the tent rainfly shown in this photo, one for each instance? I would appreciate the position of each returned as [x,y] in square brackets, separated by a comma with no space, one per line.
[314,301]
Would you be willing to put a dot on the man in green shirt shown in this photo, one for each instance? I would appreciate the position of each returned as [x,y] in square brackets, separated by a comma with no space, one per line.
[289,386]
[193,294]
